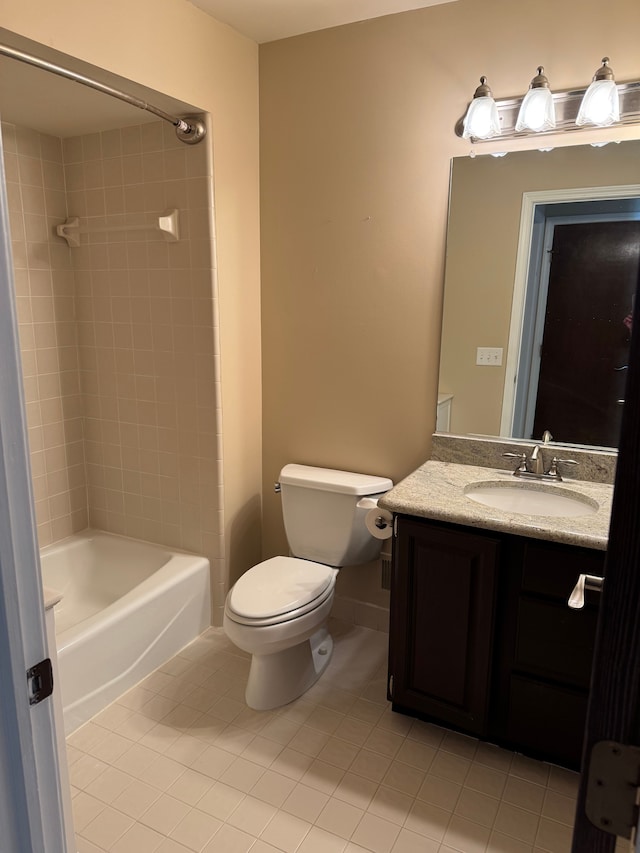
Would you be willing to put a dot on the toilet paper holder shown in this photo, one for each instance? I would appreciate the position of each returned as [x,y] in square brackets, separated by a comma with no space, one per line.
[378,520]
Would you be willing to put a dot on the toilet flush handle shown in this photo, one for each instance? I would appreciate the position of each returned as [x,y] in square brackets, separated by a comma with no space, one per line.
[367,503]
[277,488]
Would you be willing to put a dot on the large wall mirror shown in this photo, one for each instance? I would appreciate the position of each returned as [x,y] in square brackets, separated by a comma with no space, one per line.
[543,260]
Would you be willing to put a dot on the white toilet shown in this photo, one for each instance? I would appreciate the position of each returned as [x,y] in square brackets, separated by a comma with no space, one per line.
[278,609]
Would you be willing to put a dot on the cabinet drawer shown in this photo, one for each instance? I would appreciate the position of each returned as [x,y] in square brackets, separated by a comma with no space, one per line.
[548,720]
[554,641]
[552,570]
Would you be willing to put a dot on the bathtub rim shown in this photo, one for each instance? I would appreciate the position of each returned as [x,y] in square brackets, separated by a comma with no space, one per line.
[185,562]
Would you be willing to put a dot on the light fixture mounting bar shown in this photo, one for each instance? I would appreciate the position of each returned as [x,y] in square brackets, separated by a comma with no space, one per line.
[567,104]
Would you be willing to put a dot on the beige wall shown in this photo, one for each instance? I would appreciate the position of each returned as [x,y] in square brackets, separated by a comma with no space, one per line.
[357,133]
[174,48]
[482,249]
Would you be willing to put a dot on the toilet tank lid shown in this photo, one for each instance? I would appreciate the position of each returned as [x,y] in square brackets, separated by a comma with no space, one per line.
[330,480]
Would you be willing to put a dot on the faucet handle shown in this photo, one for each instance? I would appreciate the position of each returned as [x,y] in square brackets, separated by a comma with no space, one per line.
[553,468]
[523,461]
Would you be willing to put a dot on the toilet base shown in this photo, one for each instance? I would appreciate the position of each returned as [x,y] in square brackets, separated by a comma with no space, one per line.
[277,679]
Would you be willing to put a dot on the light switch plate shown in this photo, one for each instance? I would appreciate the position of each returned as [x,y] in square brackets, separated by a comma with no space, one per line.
[489,356]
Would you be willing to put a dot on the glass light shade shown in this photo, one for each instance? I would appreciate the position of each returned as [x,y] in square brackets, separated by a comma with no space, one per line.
[537,111]
[600,105]
[481,120]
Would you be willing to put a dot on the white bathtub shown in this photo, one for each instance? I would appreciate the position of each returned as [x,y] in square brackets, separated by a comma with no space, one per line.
[127,607]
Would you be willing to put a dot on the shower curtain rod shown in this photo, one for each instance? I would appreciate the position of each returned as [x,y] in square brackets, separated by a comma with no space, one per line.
[189,130]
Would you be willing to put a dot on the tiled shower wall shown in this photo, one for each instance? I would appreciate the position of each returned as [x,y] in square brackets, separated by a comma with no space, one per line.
[44,284]
[119,336]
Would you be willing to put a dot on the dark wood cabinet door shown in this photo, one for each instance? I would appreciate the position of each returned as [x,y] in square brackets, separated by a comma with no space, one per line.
[482,639]
[442,617]
[545,720]
[544,650]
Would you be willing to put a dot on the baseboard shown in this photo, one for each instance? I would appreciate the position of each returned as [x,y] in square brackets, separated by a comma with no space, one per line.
[362,613]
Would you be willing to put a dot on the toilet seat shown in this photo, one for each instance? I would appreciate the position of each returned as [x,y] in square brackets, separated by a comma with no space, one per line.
[278,590]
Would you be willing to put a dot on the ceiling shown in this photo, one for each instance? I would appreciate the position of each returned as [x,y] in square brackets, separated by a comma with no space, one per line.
[268,20]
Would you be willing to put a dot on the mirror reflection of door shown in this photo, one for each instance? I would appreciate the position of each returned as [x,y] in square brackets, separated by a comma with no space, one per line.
[581,343]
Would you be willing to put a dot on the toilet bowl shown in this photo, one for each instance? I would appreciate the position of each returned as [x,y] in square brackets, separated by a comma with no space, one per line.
[284,631]
[277,611]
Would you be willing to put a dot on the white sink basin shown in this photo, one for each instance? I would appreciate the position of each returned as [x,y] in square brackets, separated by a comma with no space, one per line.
[531,499]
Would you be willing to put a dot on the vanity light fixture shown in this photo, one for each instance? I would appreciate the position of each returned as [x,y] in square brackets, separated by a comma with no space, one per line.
[541,111]
[537,112]
[601,104]
[481,120]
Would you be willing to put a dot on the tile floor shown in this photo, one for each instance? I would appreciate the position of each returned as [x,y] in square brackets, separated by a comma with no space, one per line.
[181,764]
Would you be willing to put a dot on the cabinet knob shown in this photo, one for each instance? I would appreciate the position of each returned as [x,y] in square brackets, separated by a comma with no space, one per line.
[576,599]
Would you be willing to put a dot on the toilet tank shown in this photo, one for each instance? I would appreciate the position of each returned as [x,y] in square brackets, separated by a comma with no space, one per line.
[322,518]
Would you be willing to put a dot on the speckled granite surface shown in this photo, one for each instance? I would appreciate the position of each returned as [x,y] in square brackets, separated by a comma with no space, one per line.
[437,490]
[596,466]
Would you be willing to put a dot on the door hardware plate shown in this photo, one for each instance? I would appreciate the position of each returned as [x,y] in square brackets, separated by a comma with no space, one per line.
[612,787]
[40,681]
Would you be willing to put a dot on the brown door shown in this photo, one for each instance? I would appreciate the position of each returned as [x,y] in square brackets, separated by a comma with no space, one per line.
[614,701]
[593,276]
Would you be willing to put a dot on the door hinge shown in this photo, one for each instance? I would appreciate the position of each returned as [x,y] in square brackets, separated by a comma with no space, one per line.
[390,687]
[612,787]
[395,526]
[40,681]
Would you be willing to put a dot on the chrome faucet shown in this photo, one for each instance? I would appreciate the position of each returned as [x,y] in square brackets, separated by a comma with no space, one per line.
[529,466]
[536,462]
[533,465]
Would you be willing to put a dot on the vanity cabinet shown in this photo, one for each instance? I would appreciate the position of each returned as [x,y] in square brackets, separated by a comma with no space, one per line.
[482,639]
[443,602]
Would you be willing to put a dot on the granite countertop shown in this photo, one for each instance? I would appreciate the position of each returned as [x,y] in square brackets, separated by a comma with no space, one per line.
[436,490]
